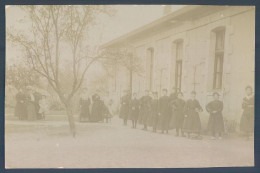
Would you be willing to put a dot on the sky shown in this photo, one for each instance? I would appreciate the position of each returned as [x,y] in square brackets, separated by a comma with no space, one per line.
[126,19]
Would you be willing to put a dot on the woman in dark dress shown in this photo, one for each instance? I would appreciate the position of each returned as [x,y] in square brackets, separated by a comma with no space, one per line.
[155,111]
[94,108]
[146,106]
[124,109]
[134,110]
[192,122]
[216,122]
[84,103]
[97,112]
[20,107]
[247,119]
[178,112]
[30,105]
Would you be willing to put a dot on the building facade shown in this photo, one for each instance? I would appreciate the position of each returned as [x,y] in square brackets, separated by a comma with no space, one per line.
[200,48]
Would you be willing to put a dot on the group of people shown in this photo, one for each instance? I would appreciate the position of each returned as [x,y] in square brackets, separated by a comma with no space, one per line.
[30,105]
[164,113]
[94,109]
[173,112]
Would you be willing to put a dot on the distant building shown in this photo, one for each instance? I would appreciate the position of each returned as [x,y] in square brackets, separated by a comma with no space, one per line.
[201,48]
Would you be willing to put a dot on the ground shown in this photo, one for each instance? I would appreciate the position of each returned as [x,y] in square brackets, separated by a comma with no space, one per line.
[47,144]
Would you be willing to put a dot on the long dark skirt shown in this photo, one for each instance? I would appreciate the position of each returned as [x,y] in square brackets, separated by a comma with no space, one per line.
[155,120]
[124,112]
[146,116]
[96,113]
[216,123]
[178,119]
[20,111]
[247,123]
[165,121]
[134,115]
[192,123]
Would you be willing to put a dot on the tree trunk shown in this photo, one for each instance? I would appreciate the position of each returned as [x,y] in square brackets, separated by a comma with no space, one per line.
[71,120]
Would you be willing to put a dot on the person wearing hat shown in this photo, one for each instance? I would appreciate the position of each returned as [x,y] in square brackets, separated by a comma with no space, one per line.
[164,111]
[20,107]
[247,119]
[155,111]
[84,104]
[192,122]
[97,110]
[134,110]
[172,97]
[215,122]
[146,102]
[178,112]
[124,109]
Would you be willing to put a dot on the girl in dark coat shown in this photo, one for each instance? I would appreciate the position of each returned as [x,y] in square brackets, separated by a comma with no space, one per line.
[247,119]
[134,110]
[146,106]
[124,109]
[164,111]
[155,111]
[20,107]
[216,122]
[192,122]
[178,112]
[84,103]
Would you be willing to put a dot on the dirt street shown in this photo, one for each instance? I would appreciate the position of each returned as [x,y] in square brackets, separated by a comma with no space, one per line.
[46,144]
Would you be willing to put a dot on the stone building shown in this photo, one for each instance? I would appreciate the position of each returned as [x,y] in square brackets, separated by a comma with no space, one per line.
[201,48]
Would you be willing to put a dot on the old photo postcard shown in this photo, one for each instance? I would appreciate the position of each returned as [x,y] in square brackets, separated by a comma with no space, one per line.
[129,86]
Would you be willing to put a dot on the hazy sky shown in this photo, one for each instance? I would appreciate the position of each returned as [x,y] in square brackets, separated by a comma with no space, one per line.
[126,19]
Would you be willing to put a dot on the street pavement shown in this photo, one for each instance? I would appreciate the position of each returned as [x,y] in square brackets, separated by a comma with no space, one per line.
[48,144]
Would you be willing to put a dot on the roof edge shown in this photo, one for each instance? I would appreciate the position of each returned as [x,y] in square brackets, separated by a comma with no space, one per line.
[149,25]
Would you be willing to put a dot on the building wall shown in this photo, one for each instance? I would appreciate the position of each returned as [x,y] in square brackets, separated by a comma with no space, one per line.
[198,50]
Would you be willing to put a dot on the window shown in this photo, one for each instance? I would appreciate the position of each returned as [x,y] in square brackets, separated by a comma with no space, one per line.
[219,55]
[149,65]
[178,65]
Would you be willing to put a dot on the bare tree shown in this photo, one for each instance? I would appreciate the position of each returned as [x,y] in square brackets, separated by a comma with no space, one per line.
[53,27]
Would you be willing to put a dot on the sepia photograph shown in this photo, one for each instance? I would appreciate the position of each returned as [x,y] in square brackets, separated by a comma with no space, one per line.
[129,86]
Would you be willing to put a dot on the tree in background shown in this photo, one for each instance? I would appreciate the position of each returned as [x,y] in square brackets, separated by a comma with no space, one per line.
[20,77]
[57,42]
[113,58]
